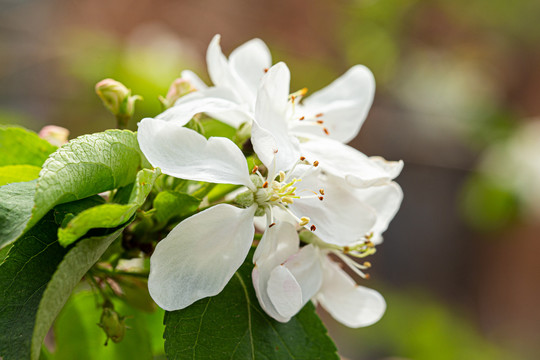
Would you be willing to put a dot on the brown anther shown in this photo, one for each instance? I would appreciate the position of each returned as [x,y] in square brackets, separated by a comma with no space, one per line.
[265,185]
[302,158]
[255,169]
[265,70]
[326,131]
[313,228]
[275,151]
[321,191]
[315,163]
[272,224]
[321,198]
[320,121]
[293,98]
[319,115]
[302,118]
[367,276]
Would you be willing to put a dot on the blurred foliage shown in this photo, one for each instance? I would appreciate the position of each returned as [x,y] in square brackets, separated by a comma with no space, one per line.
[76,332]
[416,326]
[487,205]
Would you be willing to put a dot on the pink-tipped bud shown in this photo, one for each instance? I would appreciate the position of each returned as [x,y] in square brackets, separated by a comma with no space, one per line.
[118,99]
[56,135]
[178,88]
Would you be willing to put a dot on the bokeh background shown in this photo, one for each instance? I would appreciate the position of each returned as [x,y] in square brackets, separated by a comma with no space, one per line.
[457,99]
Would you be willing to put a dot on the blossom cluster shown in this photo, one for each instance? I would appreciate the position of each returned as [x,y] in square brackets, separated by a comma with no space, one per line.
[315,199]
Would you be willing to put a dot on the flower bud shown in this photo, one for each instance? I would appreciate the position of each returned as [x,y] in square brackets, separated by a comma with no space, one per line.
[178,88]
[56,135]
[118,99]
[112,324]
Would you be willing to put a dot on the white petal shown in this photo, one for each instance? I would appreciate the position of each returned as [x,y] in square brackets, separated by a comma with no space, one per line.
[284,292]
[386,200]
[200,255]
[352,305]
[218,102]
[194,79]
[218,66]
[346,162]
[306,268]
[278,243]
[392,168]
[344,104]
[340,218]
[186,154]
[250,61]
[270,133]
[187,106]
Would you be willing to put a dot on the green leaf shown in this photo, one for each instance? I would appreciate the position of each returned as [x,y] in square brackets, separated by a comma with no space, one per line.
[78,337]
[68,274]
[109,215]
[232,325]
[32,268]
[18,173]
[16,202]
[172,204]
[85,166]
[24,275]
[19,146]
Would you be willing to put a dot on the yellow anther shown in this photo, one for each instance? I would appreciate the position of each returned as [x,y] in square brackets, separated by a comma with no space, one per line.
[367,264]
[304,220]
[281,176]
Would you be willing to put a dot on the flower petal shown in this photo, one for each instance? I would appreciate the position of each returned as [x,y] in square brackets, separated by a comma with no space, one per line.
[341,218]
[344,104]
[201,101]
[186,154]
[218,102]
[346,162]
[306,268]
[249,61]
[352,305]
[200,255]
[278,243]
[218,66]
[386,200]
[284,292]
[270,134]
[194,79]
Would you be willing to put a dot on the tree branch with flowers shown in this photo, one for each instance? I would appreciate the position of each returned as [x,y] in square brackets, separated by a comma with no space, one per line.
[235,210]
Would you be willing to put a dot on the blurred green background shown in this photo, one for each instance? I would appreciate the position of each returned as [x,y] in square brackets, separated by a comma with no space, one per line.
[458,92]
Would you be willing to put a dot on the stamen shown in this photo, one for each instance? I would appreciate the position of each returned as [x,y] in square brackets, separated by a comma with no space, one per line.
[305,220]
[281,176]
[255,169]
[265,185]
[315,163]
[265,70]
[302,118]
[319,115]
[320,122]
[272,224]
[302,158]
[313,228]
[321,191]
[326,131]
[321,198]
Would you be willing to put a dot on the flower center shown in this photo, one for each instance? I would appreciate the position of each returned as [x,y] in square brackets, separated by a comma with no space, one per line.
[281,190]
